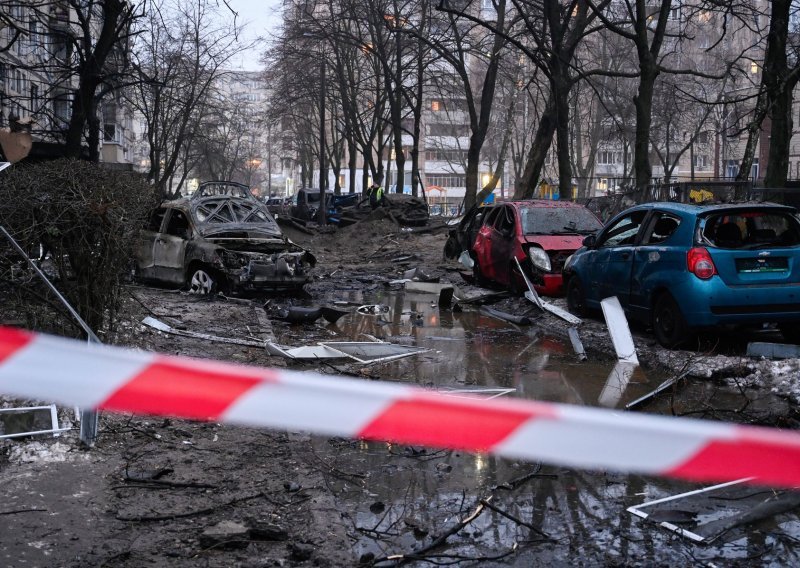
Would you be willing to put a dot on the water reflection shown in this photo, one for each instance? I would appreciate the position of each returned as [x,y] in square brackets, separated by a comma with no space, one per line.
[403,497]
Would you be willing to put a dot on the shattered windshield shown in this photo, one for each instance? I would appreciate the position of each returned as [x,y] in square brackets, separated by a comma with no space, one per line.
[558,221]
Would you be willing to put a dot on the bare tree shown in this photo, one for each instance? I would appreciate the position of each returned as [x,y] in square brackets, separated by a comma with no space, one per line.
[181,51]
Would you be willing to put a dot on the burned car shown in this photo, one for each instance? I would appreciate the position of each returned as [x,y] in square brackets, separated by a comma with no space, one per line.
[222,239]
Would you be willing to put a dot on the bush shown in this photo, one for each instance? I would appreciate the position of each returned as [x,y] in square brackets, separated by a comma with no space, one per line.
[82,221]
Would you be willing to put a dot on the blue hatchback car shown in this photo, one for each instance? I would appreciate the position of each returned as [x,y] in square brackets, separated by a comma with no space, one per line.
[681,267]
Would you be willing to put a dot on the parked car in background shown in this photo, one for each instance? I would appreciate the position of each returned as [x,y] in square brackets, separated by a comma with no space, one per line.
[221,238]
[682,267]
[539,234]
[279,206]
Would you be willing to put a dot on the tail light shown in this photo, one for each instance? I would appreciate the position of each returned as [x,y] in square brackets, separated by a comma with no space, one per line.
[699,262]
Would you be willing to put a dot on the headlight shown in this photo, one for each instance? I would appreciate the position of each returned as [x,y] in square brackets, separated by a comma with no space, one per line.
[539,259]
[233,260]
[567,263]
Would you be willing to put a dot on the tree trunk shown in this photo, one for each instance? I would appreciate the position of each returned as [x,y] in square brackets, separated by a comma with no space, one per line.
[643,101]
[538,152]
[780,81]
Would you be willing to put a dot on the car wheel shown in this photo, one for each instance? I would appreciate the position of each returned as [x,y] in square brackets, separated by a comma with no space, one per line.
[669,324]
[791,332]
[202,282]
[576,297]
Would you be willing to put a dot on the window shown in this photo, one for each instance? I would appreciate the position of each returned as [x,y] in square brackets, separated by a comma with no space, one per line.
[605,157]
[624,231]
[436,106]
[662,229]
[154,224]
[504,223]
[446,180]
[701,161]
[34,98]
[178,224]
[446,155]
[447,129]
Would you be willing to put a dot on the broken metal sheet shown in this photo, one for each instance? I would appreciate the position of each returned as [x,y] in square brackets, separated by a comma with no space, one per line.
[489,393]
[533,297]
[511,318]
[8,423]
[161,326]
[577,344]
[691,535]
[616,384]
[364,352]
[618,329]
[661,388]
[371,352]
[426,287]
[773,350]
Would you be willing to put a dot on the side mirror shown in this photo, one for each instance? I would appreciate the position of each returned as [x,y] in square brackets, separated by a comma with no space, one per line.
[590,241]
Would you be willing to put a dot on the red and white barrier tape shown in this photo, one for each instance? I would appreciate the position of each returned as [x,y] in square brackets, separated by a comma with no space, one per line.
[111,378]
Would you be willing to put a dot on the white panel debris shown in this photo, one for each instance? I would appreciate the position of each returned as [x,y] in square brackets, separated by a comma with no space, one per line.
[618,329]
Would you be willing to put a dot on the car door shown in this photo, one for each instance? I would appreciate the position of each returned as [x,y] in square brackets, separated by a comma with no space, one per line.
[145,265]
[483,243]
[169,251]
[502,244]
[658,257]
[612,265]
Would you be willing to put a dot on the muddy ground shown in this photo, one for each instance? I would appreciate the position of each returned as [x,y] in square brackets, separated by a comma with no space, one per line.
[164,492]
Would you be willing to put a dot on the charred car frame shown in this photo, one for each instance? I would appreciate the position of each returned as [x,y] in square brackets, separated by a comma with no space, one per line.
[221,238]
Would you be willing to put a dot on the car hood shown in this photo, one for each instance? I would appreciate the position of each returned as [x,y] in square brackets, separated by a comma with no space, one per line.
[249,231]
[556,242]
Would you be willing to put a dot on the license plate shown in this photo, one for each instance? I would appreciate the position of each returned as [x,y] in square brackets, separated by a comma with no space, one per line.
[773,264]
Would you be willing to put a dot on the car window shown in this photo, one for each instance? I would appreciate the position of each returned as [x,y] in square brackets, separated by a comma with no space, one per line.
[558,221]
[505,220]
[623,231]
[751,229]
[156,218]
[661,230]
[489,219]
[178,224]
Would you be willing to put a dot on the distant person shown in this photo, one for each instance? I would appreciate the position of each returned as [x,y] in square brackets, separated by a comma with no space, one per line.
[376,195]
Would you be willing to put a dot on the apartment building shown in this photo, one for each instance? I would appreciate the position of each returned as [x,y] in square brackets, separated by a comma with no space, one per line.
[37,80]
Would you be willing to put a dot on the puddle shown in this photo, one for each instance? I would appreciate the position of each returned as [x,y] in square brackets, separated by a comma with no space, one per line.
[400,498]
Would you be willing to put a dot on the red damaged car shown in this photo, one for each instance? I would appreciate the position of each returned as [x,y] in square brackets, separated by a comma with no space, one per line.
[540,234]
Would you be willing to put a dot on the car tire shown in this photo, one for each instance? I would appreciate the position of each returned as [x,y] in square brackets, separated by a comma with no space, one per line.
[791,332]
[202,281]
[669,325]
[576,297]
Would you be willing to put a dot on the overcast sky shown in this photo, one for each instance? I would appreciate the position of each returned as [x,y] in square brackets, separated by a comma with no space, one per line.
[262,18]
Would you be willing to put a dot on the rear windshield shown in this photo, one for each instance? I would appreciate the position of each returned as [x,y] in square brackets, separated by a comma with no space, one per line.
[752,229]
[558,221]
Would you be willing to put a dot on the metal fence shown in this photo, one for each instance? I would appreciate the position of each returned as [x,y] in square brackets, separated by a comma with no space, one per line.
[691,192]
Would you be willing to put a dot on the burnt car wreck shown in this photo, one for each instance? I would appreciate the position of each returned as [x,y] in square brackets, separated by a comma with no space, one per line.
[220,239]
